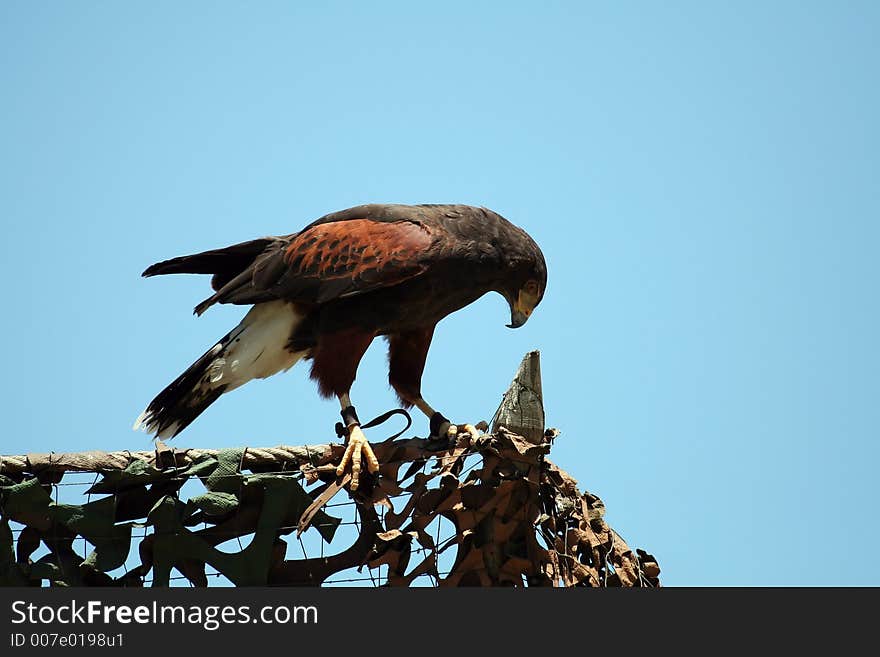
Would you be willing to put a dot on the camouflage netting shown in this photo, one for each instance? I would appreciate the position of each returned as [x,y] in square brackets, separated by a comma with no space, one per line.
[511,517]
[518,519]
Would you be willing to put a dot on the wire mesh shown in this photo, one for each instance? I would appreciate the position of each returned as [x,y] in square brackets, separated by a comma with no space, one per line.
[488,510]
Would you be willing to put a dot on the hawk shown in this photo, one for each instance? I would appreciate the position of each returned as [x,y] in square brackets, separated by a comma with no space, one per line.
[324,293]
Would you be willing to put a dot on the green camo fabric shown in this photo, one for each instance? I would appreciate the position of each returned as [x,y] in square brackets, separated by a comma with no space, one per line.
[233,504]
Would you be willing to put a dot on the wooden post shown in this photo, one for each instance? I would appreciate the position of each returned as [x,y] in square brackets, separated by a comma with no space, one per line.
[522,408]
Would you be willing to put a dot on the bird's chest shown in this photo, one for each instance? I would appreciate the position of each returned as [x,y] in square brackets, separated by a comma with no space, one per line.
[410,305]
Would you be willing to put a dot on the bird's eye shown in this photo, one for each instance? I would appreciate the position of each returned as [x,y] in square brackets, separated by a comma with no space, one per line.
[532,287]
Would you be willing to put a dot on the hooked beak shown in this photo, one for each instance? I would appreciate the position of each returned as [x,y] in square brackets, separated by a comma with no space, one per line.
[522,309]
[517,319]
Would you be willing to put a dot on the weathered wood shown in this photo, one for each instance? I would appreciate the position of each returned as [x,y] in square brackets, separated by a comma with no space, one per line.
[522,408]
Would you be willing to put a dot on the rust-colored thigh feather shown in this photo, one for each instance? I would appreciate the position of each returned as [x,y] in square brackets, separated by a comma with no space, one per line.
[407,353]
[335,359]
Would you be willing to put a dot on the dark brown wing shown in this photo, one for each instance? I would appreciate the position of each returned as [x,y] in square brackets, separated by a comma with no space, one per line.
[330,260]
[340,259]
[225,264]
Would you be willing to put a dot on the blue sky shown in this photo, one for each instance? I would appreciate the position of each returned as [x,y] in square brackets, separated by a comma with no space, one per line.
[702,178]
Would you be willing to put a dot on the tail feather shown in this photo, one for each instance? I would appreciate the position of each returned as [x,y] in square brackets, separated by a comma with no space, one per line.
[185,398]
[256,348]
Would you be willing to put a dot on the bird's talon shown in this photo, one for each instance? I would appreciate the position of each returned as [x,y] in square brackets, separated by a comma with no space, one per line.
[451,431]
[475,431]
[358,447]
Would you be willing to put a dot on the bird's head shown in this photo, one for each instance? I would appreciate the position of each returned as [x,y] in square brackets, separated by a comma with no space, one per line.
[526,282]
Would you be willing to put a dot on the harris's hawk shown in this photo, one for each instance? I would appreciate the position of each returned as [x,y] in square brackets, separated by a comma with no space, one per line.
[325,292]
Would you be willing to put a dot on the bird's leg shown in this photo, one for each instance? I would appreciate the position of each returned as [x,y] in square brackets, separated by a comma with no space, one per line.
[357,444]
[440,426]
[407,352]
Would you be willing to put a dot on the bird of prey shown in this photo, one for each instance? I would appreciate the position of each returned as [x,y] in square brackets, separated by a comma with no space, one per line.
[324,293]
